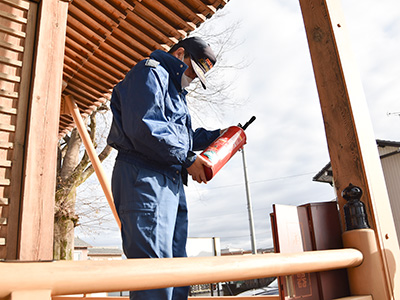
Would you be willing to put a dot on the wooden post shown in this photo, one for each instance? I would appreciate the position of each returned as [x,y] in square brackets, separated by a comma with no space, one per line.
[351,142]
[38,192]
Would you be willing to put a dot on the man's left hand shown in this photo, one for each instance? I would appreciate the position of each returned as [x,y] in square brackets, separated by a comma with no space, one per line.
[196,170]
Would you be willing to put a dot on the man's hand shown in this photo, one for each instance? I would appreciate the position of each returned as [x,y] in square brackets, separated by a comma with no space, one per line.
[196,170]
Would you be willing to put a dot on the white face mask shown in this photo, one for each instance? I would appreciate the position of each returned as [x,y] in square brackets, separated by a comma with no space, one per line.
[185,81]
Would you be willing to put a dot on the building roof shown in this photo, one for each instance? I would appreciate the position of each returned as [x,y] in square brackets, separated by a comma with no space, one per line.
[96,251]
[78,243]
[384,143]
[105,39]
[104,251]
[325,174]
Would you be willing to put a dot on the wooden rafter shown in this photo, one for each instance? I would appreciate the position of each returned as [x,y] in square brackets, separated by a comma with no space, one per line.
[105,39]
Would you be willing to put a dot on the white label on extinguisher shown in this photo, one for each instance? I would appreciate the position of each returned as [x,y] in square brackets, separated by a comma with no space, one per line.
[212,156]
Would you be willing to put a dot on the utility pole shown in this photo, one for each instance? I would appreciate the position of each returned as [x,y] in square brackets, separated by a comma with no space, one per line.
[249,206]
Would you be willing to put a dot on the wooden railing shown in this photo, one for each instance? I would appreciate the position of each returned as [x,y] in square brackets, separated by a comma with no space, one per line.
[190,298]
[25,280]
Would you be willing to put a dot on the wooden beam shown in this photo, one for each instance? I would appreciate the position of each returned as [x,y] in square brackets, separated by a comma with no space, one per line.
[37,214]
[351,142]
[31,295]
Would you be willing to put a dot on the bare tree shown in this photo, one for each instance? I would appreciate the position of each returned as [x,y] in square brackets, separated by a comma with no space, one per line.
[73,170]
[219,94]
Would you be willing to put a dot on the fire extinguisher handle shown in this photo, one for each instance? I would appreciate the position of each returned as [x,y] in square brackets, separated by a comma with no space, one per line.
[247,123]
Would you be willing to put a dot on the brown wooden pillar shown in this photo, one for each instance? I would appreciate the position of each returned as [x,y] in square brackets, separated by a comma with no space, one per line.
[39,174]
[351,142]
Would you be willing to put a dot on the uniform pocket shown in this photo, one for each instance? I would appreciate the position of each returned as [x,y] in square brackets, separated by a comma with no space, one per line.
[143,192]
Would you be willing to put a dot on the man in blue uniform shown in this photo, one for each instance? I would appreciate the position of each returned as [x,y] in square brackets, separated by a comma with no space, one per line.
[152,132]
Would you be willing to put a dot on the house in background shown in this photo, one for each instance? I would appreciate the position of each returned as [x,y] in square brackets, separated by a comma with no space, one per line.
[81,249]
[389,152]
[85,251]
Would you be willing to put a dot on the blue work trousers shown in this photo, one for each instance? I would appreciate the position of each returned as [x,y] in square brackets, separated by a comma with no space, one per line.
[153,213]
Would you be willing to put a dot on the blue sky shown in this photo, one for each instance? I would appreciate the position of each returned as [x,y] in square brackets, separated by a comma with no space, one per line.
[286,145]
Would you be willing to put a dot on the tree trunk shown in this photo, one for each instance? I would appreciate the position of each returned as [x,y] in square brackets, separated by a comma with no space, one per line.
[73,170]
[65,217]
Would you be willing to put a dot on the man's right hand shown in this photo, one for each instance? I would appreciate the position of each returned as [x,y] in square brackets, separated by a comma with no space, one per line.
[196,170]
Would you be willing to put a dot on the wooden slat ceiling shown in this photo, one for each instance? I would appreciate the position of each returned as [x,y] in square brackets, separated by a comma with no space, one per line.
[106,38]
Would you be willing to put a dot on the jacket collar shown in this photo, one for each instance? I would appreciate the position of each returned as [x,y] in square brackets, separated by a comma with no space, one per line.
[174,66]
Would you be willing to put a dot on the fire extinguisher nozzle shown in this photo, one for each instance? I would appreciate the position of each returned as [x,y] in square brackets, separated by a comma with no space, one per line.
[248,123]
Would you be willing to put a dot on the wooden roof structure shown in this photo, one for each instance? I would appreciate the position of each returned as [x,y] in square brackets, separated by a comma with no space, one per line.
[105,39]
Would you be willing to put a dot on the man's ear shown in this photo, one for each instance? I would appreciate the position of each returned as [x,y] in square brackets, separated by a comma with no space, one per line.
[179,53]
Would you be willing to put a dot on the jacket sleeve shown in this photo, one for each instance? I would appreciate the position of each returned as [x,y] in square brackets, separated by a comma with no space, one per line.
[202,138]
[152,128]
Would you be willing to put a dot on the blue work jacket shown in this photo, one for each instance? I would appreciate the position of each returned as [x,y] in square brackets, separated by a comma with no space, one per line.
[151,121]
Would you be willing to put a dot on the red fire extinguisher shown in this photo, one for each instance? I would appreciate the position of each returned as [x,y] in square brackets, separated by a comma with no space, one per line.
[224,147]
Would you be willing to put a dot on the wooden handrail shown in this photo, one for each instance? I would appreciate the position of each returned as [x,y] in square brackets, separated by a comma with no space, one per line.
[80,125]
[77,277]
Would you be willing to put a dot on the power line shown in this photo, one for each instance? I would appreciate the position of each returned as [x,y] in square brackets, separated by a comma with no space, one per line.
[281,178]
[253,182]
